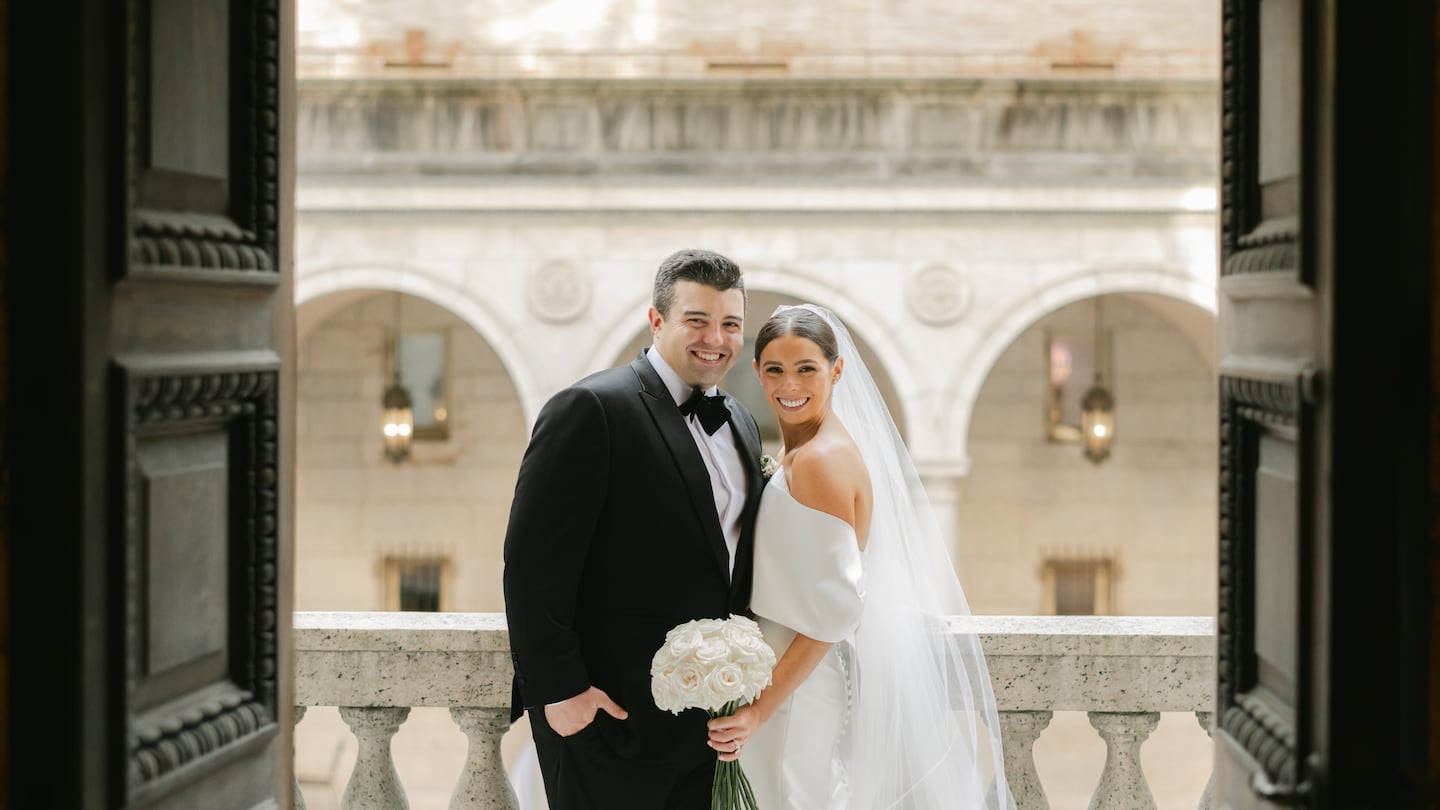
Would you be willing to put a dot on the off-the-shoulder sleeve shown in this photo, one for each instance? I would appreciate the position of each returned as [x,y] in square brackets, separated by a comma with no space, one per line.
[808,570]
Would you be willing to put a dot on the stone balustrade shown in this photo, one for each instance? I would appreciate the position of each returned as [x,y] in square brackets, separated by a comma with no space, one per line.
[1122,671]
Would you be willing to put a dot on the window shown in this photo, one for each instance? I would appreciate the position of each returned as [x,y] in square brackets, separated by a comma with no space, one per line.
[423,360]
[416,583]
[1076,586]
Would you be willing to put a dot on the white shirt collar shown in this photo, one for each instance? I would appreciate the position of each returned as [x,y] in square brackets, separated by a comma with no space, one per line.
[679,389]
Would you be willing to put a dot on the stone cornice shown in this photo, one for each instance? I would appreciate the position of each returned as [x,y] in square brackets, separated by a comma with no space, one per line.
[320,194]
[892,130]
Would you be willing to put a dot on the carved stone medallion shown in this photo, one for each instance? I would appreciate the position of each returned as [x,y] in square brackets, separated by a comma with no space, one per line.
[558,291]
[937,294]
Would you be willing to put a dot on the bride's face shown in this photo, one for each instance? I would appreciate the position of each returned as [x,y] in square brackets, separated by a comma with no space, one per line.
[797,378]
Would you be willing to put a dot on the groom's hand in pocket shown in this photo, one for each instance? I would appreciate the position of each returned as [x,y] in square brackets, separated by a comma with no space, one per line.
[572,716]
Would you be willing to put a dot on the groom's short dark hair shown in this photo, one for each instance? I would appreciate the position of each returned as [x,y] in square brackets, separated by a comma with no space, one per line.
[700,266]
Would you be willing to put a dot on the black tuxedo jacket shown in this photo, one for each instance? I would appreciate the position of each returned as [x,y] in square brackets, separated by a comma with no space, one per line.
[613,540]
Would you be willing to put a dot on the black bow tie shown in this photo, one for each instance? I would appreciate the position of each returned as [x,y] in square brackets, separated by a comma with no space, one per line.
[711,410]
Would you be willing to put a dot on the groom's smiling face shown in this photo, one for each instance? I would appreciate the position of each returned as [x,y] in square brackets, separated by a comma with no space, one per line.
[703,333]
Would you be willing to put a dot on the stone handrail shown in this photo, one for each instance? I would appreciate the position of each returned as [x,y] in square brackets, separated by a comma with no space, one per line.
[1122,671]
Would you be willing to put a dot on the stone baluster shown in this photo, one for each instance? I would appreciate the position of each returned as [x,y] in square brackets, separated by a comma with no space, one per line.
[1019,731]
[299,797]
[374,783]
[1122,783]
[1206,797]
[483,784]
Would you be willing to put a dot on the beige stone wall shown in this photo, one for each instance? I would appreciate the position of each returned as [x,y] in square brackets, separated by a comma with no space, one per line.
[451,499]
[1152,504]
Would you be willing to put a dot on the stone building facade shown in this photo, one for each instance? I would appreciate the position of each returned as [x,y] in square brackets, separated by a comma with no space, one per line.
[940,258]
[960,185]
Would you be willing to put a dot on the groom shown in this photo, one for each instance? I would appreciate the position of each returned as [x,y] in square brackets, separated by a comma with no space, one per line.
[633,513]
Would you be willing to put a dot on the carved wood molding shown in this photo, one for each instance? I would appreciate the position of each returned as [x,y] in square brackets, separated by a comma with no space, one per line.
[1247,244]
[243,243]
[1246,406]
[1264,735]
[264,109]
[1273,251]
[244,405]
[162,239]
[1236,123]
[161,747]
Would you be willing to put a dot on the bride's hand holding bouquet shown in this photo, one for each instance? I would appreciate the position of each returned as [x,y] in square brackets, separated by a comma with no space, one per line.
[715,665]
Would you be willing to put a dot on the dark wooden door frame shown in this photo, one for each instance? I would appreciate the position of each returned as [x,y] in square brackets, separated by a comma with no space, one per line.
[64,239]
[75,262]
[1374,239]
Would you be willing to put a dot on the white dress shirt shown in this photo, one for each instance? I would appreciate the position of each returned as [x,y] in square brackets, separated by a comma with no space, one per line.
[719,452]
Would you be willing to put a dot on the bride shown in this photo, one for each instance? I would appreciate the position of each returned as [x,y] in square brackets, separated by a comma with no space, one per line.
[874,702]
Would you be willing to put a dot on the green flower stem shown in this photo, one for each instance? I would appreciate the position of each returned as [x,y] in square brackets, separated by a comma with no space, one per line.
[730,789]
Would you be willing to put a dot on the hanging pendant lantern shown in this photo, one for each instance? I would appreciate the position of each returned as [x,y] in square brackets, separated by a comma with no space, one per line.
[1097,409]
[398,422]
[1097,421]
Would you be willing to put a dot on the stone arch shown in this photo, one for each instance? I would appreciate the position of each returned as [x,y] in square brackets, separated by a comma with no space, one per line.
[314,287]
[868,328]
[361,519]
[1008,325]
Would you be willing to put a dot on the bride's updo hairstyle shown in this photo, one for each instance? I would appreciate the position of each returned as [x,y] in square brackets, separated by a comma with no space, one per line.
[799,322]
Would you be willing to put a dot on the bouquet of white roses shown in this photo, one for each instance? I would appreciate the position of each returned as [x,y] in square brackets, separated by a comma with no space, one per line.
[714,664]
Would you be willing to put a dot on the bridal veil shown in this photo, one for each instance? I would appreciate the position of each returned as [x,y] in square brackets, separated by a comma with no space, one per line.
[923,730]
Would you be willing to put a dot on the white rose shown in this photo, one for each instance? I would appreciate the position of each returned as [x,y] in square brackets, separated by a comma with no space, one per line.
[681,628]
[683,640]
[689,679]
[709,627]
[755,679]
[710,698]
[665,653]
[744,622]
[733,632]
[712,651]
[746,644]
[727,681]
[667,698]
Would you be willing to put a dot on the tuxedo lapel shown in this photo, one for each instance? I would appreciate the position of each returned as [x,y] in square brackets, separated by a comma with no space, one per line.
[686,456]
[747,440]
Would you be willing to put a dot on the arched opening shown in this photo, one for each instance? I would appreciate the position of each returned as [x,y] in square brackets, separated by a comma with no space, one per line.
[371,534]
[426,533]
[742,383]
[1046,530]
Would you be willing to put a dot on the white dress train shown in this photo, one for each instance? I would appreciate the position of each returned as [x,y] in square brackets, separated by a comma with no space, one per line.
[809,580]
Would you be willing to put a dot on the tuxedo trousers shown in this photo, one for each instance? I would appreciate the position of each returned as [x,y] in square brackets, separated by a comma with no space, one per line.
[582,772]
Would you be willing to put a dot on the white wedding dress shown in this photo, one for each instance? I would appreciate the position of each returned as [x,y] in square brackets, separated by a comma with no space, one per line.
[808,579]
[900,714]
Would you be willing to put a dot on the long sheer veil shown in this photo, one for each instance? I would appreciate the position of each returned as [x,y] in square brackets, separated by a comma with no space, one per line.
[923,730]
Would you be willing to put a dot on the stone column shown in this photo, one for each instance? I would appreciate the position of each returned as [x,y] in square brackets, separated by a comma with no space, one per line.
[1019,731]
[299,797]
[373,784]
[1122,783]
[1207,800]
[942,485]
[483,784]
